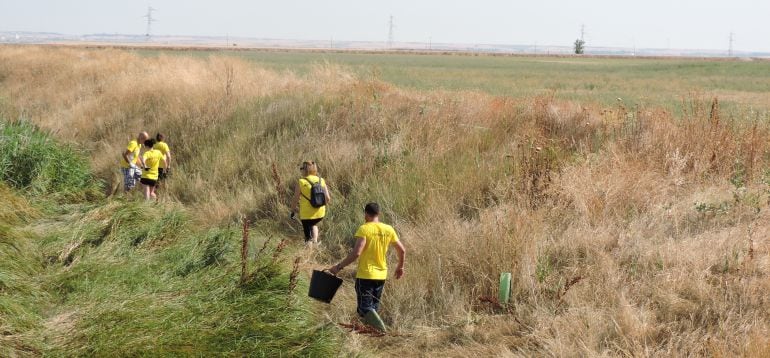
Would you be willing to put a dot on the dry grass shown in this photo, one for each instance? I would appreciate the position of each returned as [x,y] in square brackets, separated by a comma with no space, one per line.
[628,231]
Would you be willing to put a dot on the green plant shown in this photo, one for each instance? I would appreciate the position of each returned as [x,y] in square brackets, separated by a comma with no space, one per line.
[31,160]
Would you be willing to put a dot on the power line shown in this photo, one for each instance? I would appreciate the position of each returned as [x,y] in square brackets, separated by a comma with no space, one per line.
[390,32]
[730,48]
[150,20]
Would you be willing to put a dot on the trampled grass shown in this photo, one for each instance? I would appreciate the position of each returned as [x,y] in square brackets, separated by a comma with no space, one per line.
[629,228]
[128,279]
[152,288]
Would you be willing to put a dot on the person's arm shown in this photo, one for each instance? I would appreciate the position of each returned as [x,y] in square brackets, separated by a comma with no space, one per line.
[327,193]
[295,201]
[126,155]
[165,163]
[352,256]
[168,159]
[401,250]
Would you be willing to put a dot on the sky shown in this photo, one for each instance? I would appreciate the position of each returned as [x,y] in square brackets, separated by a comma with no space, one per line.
[679,24]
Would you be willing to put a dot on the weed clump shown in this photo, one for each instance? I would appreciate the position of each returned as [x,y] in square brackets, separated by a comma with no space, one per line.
[32,161]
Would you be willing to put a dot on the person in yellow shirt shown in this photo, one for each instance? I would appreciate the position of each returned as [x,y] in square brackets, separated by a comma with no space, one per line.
[162,146]
[130,160]
[152,160]
[309,215]
[373,239]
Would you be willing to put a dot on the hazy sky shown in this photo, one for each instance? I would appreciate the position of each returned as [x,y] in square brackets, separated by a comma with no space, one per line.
[690,24]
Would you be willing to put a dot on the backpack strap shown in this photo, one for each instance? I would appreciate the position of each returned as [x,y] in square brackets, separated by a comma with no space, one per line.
[320,180]
[300,190]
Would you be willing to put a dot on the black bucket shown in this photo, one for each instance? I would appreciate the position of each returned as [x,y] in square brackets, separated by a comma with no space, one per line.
[323,286]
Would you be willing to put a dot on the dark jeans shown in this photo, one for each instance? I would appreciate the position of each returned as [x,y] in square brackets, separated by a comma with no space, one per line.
[368,293]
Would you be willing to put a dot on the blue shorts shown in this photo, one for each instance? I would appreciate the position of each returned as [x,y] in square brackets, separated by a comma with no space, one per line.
[130,177]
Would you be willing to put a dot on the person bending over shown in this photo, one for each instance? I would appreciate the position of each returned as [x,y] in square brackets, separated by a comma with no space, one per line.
[130,160]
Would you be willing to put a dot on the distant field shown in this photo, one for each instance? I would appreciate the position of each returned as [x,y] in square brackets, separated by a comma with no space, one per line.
[602,80]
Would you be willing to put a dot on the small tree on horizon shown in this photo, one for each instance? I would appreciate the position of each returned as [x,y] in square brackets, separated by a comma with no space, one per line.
[579,46]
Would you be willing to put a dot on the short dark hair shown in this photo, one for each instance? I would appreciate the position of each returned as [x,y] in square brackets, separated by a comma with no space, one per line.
[372,209]
[149,143]
[160,137]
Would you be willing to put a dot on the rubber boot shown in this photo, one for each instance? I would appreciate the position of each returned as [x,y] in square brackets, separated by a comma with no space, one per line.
[373,319]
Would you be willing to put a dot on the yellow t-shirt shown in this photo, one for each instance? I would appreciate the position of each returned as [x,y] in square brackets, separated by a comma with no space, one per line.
[153,158]
[163,148]
[307,211]
[372,263]
[134,148]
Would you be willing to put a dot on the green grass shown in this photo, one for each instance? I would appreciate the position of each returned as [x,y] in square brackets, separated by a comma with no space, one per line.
[602,80]
[130,278]
[127,278]
[151,285]
[32,161]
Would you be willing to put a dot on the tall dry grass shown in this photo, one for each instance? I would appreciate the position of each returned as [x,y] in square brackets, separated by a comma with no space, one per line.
[628,231]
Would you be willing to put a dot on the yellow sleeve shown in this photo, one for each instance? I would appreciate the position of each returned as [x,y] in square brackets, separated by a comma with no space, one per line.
[132,145]
[395,236]
[361,232]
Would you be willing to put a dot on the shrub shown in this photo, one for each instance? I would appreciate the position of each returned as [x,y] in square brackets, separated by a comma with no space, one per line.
[31,160]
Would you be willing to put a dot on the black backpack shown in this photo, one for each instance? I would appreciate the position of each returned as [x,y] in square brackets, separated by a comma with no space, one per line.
[317,197]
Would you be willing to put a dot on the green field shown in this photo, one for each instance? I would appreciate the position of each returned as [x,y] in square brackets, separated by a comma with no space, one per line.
[602,80]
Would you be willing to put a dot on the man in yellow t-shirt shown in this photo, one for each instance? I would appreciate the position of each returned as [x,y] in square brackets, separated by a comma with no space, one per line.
[373,239]
[152,160]
[129,162]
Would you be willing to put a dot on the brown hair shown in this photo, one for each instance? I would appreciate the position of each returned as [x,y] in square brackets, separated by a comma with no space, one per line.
[309,168]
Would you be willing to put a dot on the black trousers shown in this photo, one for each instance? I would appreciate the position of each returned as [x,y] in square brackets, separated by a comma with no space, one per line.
[368,293]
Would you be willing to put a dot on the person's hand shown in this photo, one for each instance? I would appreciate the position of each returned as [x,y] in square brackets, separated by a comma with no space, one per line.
[334,270]
[399,272]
